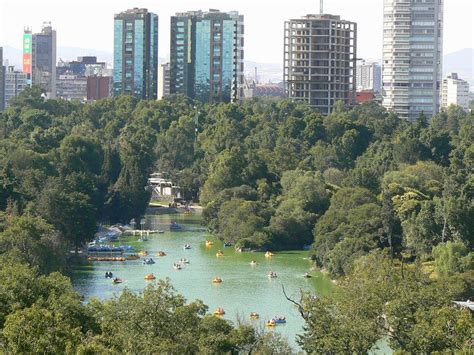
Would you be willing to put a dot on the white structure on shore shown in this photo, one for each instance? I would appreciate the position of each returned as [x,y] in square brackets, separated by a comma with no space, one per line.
[163,188]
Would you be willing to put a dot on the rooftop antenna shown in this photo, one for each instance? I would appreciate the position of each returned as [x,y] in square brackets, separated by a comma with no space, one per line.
[321,6]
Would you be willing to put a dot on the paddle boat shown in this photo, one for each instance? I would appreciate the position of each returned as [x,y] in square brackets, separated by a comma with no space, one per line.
[272,274]
[175,226]
[220,253]
[187,246]
[109,275]
[269,254]
[160,253]
[150,277]
[307,275]
[227,244]
[271,323]
[184,261]
[209,243]
[253,262]
[177,266]
[279,320]
[143,253]
[254,315]
[148,261]
[132,257]
[217,280]
[117,280]
[219,311]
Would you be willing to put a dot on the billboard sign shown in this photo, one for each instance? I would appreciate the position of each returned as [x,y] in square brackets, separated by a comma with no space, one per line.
[27,44]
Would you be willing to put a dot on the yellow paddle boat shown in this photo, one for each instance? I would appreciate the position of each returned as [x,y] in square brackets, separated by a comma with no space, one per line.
[219,311]
[217,280]
[220,253]
[271,323]
[143,253]
[161,253]
[150,277]
[269,254]
[209,243]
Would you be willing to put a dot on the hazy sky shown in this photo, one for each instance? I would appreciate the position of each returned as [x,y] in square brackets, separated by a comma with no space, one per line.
[89,23]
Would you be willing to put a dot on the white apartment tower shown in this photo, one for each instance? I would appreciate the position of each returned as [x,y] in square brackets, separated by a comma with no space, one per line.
[412,54]
[369,77]
[163,80]
[455,91]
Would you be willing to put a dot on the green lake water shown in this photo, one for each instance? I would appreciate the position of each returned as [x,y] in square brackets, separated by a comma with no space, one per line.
[244,289]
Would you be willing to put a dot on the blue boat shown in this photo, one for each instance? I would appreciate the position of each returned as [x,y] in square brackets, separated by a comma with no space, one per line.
[280,320]
[175,226]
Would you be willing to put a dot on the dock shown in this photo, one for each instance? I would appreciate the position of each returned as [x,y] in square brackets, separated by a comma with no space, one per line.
[142,232]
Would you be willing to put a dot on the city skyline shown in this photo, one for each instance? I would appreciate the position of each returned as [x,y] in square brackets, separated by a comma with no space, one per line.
[99,15]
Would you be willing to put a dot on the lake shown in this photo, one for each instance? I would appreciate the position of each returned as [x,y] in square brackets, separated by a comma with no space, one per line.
[244,289]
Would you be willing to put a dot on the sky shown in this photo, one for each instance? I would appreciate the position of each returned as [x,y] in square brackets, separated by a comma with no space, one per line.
[89,23]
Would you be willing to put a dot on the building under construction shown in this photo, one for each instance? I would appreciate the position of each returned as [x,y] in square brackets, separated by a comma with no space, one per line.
[320,60]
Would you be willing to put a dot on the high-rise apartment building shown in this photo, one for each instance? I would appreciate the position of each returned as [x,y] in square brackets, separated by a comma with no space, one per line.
[207,55]
[39,58]
[2,81]
[455,91]
[163,80]
[136,53]
[15,82]
[412,54]
[369,77]
[320,60]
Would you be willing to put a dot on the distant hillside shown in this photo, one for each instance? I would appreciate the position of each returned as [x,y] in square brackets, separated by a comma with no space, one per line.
[461,62]
[266,72]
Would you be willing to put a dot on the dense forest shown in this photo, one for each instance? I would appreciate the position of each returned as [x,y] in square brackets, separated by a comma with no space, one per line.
[384,205]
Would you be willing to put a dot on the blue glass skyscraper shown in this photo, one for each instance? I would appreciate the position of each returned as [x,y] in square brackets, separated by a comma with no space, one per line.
[206,55]
[136,53]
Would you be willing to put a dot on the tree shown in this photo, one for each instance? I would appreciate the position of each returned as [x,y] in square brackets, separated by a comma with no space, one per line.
[35,242]
[452,257]
[238,222]
[225,173]
[71,212]
[80,154]
[354,214]
[378,300]
[159,320]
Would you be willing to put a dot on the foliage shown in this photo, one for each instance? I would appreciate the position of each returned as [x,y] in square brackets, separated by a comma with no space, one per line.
[380,300]
[452,257]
